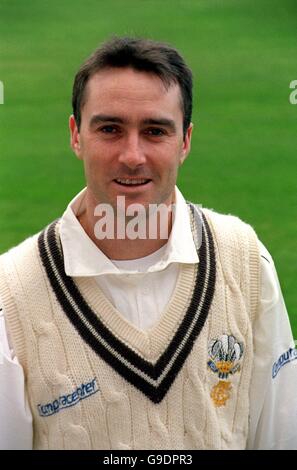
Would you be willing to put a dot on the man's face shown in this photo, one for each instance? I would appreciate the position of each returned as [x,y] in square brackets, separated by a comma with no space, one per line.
[131,137]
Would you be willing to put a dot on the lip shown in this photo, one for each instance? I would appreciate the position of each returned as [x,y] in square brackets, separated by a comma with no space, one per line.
[132,187]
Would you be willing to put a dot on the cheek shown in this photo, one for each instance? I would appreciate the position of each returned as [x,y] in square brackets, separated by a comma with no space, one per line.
[96,157]
[171,162]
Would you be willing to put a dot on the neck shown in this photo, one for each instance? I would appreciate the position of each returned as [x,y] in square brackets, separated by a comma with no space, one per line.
[121,246]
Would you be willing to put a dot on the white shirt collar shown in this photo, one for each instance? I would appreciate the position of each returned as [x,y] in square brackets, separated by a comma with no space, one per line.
[83,258]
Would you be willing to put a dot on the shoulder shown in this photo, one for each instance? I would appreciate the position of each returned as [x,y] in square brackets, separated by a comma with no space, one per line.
[237,252]
[21,250]
[22,260]
[230,231]
[226,222]
[26,247]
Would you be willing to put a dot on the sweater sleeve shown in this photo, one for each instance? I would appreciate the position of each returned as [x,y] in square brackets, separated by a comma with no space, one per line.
[273,398]
[15,415]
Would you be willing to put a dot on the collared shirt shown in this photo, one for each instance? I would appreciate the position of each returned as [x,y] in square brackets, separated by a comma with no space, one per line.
[140,290]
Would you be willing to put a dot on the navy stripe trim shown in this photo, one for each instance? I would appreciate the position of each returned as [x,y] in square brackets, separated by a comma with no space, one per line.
[205,282]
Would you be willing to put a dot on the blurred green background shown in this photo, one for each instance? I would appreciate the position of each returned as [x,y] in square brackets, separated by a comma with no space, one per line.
[243,160]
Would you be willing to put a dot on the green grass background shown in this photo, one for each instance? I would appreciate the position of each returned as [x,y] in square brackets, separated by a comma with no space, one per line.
[243,161]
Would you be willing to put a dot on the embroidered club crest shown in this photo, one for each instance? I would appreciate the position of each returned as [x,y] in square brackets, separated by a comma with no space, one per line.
[225,353]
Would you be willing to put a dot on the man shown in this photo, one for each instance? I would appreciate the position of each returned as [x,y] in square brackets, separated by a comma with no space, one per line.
[151,342]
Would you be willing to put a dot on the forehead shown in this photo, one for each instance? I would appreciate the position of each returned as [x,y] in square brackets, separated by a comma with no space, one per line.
[116,88]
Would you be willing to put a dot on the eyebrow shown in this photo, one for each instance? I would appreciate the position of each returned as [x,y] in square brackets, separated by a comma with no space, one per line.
[101,118]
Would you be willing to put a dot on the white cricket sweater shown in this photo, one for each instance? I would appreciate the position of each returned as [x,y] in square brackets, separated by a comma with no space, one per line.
[97,382]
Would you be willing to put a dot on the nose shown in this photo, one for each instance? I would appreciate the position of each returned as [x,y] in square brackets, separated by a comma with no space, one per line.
[132,153]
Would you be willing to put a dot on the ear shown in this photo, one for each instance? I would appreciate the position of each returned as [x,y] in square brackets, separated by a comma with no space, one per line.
[186,144]
[74,137]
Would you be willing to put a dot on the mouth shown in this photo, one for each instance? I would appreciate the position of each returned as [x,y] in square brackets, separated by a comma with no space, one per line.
[132,182]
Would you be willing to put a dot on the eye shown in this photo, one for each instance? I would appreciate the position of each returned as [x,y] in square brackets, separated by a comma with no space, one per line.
[108,129]
[155,132]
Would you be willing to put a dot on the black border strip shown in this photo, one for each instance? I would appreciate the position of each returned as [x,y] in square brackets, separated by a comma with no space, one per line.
[155,393]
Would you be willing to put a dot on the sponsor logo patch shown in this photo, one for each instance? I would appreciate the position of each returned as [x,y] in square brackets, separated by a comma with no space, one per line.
[85,390]
[284,359]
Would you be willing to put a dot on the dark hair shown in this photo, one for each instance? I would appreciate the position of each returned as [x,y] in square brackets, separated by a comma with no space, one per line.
[139,54]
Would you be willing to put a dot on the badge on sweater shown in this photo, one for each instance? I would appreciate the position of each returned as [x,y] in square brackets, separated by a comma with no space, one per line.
[225,353]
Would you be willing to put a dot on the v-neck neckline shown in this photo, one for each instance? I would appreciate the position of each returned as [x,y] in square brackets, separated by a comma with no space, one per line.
[149,344]
[150,360]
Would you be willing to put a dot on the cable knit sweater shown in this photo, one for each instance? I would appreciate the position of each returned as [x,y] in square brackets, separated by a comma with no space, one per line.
[95,381]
